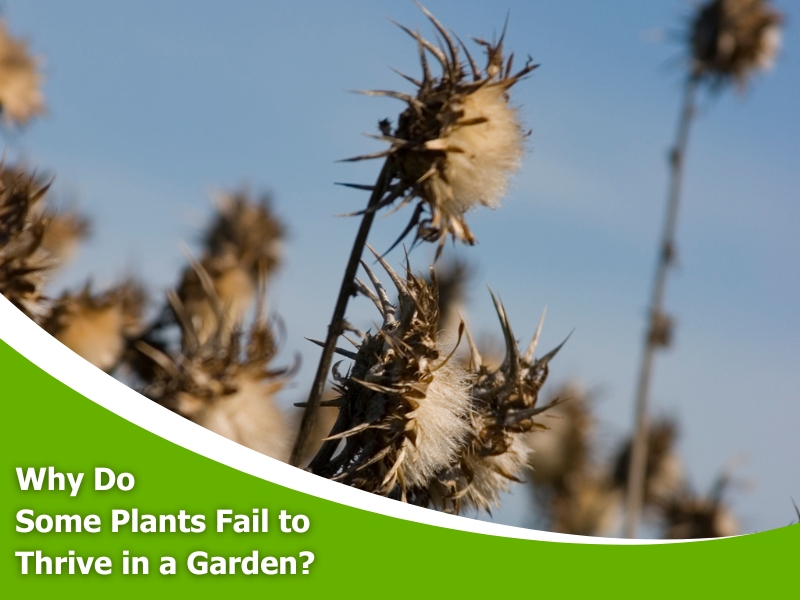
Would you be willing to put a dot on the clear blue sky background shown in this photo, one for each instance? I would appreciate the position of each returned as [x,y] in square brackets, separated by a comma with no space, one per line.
[154,105]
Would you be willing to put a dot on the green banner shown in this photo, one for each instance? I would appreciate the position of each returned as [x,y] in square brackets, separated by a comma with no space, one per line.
[176,522]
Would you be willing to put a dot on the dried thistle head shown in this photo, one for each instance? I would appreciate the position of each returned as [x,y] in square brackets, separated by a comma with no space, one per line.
[21,98]
[731,39]
[24,264]
[458,141]
[504,412]
[98,326]
[403,405]
[223,383]
[664,472]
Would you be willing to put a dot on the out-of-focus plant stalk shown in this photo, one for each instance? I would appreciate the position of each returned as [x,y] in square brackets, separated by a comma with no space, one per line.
[659,324]
[336,327]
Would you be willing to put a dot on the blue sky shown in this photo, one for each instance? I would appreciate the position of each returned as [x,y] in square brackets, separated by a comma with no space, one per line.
[154,106]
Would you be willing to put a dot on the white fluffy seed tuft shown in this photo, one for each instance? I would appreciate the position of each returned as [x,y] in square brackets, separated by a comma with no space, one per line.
[483,154]
[441,423]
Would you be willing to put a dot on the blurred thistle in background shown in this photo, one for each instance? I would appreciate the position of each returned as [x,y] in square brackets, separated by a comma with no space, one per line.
[729,40]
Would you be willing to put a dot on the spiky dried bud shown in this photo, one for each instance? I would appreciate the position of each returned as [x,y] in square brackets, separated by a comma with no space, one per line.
[458,141]
[24,264]
[21,98]
[98,326]
[403,405]
[221,385]
[664,472]
[731,39]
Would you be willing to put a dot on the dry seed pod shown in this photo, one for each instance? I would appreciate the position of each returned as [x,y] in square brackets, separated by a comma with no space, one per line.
[731,39]
[21,98]
[458,141]
[664,472]
[97,327]
[24,265]
[222,386]
[403,405]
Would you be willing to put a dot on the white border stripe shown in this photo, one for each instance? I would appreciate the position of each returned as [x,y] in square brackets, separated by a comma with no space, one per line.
[32,342]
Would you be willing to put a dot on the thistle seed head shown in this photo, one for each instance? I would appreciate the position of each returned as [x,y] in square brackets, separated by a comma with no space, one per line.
[458,141]
[98,326]
[21,98]
[731,39]
[404,405]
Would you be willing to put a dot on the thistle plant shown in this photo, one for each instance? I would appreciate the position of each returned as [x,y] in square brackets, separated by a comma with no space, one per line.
[452,149]
[415,424]
[728,42]
[21,98]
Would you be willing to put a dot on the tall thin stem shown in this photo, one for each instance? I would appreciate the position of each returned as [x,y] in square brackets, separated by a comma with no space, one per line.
[336,327]
[654,336]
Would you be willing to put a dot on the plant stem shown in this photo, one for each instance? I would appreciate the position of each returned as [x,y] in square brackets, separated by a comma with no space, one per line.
[638,458]
[336,327]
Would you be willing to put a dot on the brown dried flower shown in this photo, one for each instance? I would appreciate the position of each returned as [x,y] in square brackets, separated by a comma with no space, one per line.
[730,39]
[20,80]
[458,141]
